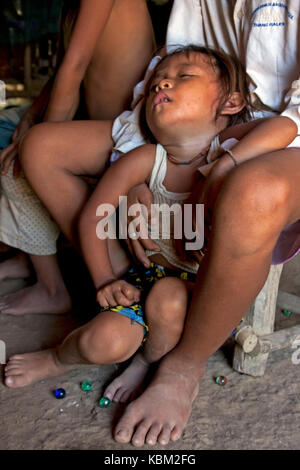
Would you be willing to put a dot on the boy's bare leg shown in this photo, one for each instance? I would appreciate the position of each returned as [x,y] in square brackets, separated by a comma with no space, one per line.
[48,295]
[55,155]
[15,267]
[165,307]
[107,339]
[244,234]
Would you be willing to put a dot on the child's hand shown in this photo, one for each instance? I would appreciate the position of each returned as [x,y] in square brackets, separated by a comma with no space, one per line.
[118,293]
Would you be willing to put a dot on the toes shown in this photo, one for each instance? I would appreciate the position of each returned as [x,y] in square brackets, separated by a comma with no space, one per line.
[176,434]
[111,391]
[118,394]
[138,439]
[153,433]
[15,381]
[164,437]
[125,396]
[125,428]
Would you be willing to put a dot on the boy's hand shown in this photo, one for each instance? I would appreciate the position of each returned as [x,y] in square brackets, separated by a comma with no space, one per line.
[118,293]
[141,194]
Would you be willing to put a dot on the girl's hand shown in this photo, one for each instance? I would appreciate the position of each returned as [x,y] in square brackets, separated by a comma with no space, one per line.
[118,293]
[10,152]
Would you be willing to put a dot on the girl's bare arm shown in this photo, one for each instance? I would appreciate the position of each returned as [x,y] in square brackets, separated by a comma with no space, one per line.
[132,169]
[260,136]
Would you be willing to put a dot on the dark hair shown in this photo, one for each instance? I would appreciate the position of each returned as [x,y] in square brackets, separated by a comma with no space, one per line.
[232,77]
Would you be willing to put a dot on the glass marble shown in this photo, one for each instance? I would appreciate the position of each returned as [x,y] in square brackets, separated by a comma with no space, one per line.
[287,313]
[104,402]
[60,393]
[221,380]
[86,386]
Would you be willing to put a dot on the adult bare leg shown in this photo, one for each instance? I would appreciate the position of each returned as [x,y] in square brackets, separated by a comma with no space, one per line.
[54,156]
[244,233]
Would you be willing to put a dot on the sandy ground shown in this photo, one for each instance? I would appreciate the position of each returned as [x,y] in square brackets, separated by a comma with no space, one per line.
[247,413]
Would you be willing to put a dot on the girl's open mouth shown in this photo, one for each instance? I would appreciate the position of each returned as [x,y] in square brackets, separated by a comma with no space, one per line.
[161,97]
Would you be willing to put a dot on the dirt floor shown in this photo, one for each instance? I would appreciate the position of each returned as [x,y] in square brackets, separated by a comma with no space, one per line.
[247,413]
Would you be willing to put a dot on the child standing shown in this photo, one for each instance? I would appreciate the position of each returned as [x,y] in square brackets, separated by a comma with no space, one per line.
[192,97]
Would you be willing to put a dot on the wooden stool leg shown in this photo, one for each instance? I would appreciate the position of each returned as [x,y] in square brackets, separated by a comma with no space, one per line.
[260,318]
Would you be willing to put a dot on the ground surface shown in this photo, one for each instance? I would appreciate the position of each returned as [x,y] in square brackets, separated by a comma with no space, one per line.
[247,413]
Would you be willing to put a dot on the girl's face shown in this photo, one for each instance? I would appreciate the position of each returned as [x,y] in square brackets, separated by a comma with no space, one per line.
[184,95]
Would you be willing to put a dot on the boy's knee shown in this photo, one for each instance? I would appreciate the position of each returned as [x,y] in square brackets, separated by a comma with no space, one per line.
[106,345]
[167,301]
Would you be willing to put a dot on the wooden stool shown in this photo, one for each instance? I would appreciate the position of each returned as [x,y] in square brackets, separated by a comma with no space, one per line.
[256,338]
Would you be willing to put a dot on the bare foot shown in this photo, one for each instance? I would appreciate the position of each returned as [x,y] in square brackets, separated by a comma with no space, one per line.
[16,267]
[160,414]
[35,299]
[131,380]
[24,369]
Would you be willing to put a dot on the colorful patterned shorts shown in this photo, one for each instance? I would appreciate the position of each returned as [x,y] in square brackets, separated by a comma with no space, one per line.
[143,279]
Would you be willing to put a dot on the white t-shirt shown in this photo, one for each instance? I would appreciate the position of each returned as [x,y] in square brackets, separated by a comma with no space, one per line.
[264,35]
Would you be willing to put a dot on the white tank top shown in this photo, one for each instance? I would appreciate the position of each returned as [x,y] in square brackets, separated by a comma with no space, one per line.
[163,232]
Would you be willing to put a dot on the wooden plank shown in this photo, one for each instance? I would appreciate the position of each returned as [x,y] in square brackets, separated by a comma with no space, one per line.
[288,301]
[261,315]
[280,339]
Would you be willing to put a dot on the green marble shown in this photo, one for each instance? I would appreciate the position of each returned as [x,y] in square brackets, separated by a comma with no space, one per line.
[104,402]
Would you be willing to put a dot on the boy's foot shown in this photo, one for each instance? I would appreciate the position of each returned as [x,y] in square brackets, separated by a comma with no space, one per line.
[35,299]
[24,369]
[160,414]
[129,382]
[16,267]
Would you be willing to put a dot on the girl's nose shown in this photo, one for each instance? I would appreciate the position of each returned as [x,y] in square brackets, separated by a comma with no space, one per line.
[164,83]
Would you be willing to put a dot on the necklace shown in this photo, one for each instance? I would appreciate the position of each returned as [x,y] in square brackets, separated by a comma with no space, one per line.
[200,156]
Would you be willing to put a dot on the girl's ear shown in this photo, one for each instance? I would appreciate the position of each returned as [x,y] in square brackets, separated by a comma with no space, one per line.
[234,104]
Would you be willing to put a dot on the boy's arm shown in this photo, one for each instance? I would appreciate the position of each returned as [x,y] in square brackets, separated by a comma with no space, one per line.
[130,170]
[90,22]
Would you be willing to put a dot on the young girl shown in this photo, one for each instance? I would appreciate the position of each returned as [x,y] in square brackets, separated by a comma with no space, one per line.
[194,94]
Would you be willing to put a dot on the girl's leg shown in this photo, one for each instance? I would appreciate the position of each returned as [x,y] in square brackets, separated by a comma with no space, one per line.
[107,339]
[166,307]
[259,199]
[48,295]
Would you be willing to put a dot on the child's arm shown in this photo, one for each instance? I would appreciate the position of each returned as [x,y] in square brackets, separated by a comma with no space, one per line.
[260,136]
[130,170]
[91,21]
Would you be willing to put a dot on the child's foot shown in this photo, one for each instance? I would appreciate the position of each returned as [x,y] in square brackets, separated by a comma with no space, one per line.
[35,299]
[15,267]
[24,369]
[131,380]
